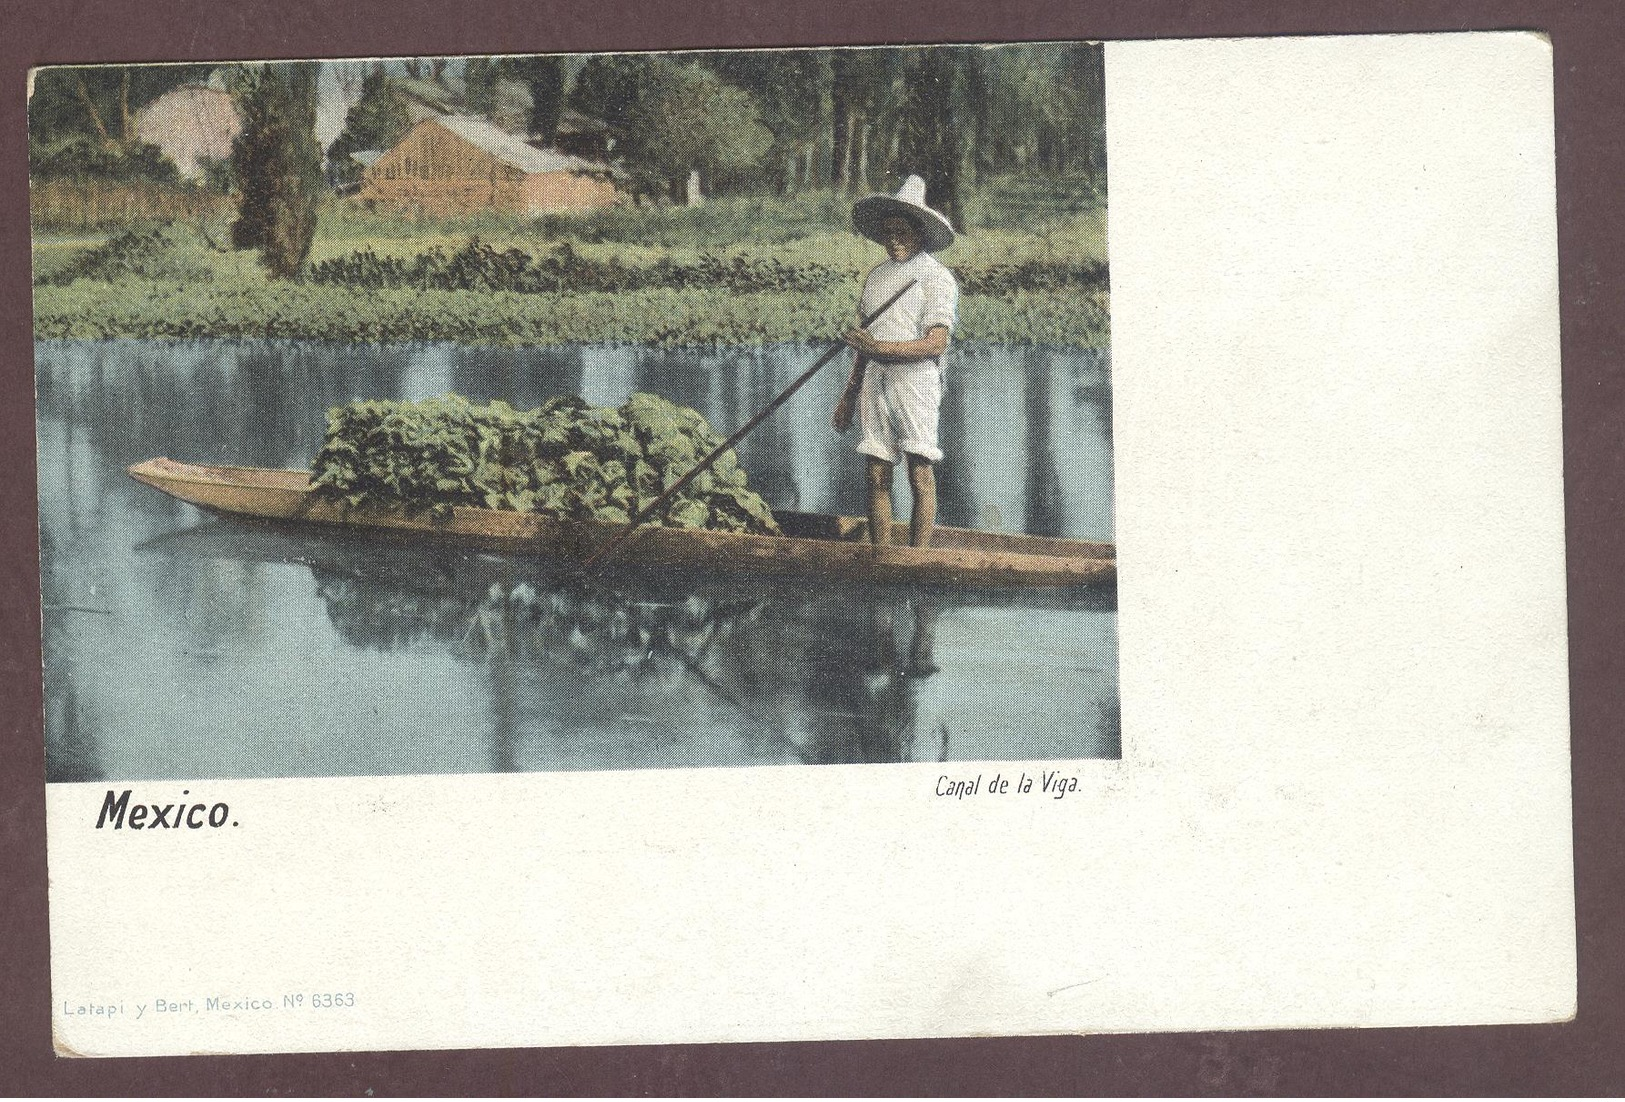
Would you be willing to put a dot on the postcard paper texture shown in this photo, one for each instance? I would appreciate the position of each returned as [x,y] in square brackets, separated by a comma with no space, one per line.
[1294,754]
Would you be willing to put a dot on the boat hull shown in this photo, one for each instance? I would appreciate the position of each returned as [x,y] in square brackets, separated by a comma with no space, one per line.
[834,547]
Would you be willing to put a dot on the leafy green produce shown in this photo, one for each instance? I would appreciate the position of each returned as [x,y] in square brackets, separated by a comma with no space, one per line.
[565,459]
[478,266]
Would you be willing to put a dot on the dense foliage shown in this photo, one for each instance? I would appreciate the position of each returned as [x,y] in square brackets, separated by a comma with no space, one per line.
[658,317]
[671,119]
[478,266]
[277,164]
[481,267]
[155,252]
[565,459]
[1020,287]
[80,158]
[98,104]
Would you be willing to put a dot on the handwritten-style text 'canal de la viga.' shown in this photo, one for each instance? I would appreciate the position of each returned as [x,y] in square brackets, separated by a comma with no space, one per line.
[1052,783]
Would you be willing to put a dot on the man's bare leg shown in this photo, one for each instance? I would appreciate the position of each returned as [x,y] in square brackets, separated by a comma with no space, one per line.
[880,477]
[922,480]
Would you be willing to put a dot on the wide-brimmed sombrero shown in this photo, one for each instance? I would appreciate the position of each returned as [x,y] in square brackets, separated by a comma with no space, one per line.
[869,212]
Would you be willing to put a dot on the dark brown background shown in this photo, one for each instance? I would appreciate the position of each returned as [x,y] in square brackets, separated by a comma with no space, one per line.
[1586,1056]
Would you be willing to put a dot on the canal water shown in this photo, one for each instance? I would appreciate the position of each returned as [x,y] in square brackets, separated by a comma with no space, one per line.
[183,646]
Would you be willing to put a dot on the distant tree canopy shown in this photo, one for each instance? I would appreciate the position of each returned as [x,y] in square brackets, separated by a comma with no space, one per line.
[480,85]
[752,121]
[856,119]
[792,93]
[81,158]
[1046,109]
[101,101]
[852,119]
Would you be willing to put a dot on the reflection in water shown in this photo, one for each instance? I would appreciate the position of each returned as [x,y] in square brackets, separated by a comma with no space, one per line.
[620,657]
[180,649]
[867,692]
[1046,512]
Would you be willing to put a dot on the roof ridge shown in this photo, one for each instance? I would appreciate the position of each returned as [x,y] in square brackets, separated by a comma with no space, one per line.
[510,148]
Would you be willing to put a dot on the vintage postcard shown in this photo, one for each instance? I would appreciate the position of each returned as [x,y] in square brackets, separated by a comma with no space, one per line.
[475,490]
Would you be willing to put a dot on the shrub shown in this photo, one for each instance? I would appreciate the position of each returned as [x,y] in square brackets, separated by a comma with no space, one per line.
[155,252]
[83,158]
[478,266]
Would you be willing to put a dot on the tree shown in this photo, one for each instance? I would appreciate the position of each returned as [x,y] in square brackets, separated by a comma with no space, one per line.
[480,86]
[544,76]
[1084,69]
[377,121]
[938,123]
[278,165]
[699,125]
[672,120]
[791,89]
[608,87]
[1046,109]
[865,95]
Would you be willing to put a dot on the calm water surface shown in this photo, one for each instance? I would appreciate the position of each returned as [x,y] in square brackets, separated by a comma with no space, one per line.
[181,646]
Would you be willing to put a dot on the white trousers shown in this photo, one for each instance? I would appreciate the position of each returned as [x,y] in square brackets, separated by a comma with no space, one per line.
[897,410]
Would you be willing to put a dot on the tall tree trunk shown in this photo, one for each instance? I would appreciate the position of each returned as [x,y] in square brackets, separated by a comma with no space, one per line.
[90,109]
[126,126]
[934,143]
[854,143]
[841,139]
[863,156]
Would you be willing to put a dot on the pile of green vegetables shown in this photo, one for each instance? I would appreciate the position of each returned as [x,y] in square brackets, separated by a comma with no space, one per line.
[566,459]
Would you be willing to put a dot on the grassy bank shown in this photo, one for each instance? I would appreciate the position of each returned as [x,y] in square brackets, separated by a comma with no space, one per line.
[683,282]
[660,316]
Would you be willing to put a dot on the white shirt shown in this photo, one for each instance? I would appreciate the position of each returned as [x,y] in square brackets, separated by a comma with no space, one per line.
[932,301]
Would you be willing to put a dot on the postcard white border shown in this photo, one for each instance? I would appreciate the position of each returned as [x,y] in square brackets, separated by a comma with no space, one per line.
[1344,797]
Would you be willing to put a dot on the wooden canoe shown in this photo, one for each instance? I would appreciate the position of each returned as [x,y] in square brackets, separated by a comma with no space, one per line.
[813,543]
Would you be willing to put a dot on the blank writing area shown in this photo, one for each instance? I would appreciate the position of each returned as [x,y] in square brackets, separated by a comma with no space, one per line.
[1340,520]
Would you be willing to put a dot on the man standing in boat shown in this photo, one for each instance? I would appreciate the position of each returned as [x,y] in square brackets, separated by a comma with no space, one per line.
[897,375]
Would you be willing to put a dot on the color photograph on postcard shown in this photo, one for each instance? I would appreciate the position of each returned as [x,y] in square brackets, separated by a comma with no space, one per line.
[574,412]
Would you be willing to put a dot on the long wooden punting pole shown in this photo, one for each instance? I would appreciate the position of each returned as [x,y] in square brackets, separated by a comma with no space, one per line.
[656,507]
